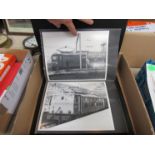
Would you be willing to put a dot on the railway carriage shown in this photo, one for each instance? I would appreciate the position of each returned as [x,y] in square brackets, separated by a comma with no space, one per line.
[68,109]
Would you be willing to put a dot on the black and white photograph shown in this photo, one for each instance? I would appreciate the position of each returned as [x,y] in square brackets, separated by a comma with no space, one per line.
[80,57]
[18,26]
[76,106]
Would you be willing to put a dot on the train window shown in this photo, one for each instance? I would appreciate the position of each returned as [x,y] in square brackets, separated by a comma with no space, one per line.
[54,58]
[77,99]
[69,112]
[61,112]
[86,99]
[83,56]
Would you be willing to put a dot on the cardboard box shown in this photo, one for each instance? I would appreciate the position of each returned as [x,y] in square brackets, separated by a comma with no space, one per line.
[21,121]
[136,49]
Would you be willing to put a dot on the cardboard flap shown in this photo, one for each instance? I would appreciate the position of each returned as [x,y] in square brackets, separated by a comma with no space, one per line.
[20,54]
[4,119]
[136,45]
[24,117]
[134,101]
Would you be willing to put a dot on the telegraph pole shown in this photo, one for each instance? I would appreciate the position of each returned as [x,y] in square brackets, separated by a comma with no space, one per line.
[80,55]
[80,51]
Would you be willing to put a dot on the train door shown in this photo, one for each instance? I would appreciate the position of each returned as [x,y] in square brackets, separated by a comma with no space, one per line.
[60,62]
[54,60]
[65,62]
[84,62]
[77,104]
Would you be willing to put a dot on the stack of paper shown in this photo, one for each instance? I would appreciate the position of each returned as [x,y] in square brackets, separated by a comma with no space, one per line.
[146,83]
[141,26]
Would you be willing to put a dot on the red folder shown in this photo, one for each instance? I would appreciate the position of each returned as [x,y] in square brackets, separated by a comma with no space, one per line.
[7,81]
[6,62]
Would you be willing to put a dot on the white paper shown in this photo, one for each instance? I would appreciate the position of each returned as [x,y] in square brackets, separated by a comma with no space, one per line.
[88,50]
[61,96]
[1,56]
[142,28]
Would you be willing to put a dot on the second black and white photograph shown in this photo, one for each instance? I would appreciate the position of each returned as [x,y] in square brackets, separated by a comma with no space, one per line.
[69,57]
[75,106]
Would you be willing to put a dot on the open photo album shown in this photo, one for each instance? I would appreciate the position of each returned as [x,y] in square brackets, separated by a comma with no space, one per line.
[80,94]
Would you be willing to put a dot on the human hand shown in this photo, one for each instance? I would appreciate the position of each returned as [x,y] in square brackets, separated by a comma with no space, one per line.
[69,23]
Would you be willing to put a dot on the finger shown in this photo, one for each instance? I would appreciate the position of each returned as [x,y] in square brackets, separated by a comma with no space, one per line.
[55,23]
[87,21]
[71,27]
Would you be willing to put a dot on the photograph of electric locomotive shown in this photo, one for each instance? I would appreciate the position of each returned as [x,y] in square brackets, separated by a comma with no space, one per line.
[76,57]
[66,102]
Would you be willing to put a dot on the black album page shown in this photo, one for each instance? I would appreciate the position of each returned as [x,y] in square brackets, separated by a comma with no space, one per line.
[80,70]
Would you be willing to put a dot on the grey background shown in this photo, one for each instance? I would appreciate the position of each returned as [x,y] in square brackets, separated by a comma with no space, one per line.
[113,47]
